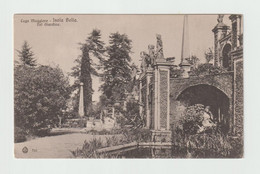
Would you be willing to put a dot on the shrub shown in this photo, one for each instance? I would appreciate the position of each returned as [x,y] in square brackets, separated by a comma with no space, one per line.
[89,149]
[131,115]
[208,144]
[237,144]
[19,135]
[176,73]
[207,69]
[211,145]
[42,132]
[137,134]
[40,96]
[192,119]
[142,135]
[107,132]
[114,141]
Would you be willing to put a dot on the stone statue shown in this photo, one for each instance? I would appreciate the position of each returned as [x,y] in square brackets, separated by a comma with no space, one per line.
[143,64]
[134,71]
[207,121]
[146,61]
[159,47]
[220,18]
[151,54]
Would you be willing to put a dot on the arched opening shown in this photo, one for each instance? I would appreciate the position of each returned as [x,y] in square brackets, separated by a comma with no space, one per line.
[226,53]
[208,96]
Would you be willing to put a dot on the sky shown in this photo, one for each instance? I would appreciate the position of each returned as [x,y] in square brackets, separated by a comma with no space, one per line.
[58,45]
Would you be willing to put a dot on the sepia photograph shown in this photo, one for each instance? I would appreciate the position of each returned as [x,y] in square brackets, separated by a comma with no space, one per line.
[128,86]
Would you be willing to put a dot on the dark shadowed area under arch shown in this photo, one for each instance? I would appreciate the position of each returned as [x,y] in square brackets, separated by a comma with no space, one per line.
[208,96]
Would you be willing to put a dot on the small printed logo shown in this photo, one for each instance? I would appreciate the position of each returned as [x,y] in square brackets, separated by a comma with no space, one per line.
[25,150]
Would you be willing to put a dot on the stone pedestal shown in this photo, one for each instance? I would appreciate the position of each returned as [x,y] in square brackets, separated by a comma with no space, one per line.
[185,66]
[161,132]
[162,95]
[161,136]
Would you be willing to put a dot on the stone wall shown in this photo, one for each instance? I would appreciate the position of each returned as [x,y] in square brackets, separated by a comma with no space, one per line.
[223,82]
[238,97]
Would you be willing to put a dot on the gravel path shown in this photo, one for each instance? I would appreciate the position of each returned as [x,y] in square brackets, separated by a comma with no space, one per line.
[54,146]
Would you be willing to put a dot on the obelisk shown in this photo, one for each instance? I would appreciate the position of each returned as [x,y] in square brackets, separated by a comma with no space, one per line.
[81,103]
[185,50]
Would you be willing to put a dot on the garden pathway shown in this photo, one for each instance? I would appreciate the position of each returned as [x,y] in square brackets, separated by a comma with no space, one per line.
[53,146]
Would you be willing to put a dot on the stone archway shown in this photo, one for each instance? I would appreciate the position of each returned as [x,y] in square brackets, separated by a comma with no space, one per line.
[226,55]
[208,95]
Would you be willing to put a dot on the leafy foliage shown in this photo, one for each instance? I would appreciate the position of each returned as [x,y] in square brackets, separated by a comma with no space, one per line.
[117,71]
[19,135]
[207,69]
[192,119]
[26,55]
[95,45]
[89,149]
[131,116]
[40,95]
[140,135]
[208,144]
[237,144]
[176,73]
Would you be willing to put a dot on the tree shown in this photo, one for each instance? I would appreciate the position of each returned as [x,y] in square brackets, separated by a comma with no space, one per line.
[85,68]
[117,69]
[40,96]
[26,55]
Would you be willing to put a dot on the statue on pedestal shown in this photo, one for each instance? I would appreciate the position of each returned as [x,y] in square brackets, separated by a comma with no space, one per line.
[146,61]
[220,18]
[151,54]
[159,47]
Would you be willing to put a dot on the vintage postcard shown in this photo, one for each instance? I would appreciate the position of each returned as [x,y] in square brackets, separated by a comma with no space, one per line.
[128,86]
